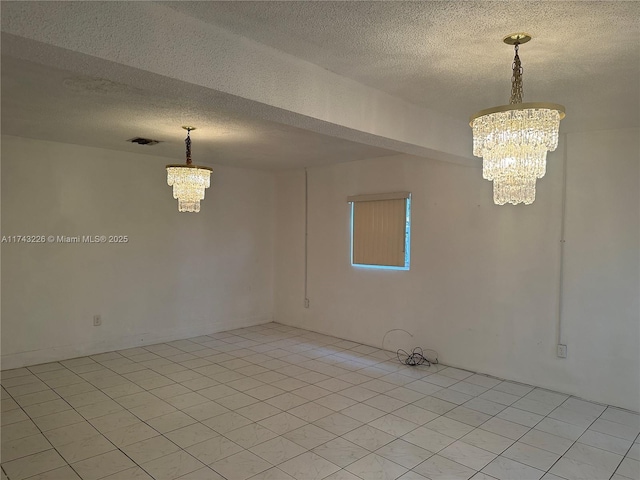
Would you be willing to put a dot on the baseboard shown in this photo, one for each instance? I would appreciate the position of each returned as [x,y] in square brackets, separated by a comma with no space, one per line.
[65,352]
[546,386]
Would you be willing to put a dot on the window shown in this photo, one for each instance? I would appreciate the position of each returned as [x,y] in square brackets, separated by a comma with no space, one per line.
[380,230]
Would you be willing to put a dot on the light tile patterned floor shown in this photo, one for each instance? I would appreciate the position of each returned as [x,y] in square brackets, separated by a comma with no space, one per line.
[275,402]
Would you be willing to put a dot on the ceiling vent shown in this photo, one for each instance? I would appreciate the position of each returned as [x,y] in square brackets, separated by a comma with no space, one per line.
[143,141]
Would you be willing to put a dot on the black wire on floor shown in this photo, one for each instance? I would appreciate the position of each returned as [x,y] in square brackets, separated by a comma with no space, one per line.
[416,357]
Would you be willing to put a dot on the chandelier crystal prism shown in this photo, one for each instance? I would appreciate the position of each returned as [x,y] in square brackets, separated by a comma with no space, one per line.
[189,181]
[513,140]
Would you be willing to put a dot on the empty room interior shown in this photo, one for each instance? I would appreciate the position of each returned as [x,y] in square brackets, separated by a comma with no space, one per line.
[308,240]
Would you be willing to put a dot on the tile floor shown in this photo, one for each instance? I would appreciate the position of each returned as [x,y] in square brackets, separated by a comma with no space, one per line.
[275,402]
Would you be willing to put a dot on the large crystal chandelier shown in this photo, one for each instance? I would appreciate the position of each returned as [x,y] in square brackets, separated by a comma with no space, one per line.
[513,139]
[188,181]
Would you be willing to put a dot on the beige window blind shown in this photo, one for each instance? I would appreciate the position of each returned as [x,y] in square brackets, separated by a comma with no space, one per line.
[379,229]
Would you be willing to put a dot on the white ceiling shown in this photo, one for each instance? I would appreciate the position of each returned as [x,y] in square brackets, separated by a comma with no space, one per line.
[449,55]
[52,104]
[70,74]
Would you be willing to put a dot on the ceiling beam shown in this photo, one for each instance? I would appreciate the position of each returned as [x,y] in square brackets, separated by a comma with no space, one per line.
[142,43]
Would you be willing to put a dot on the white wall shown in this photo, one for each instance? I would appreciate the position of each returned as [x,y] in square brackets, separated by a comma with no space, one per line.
[180,274]
[601,309]
[483,285]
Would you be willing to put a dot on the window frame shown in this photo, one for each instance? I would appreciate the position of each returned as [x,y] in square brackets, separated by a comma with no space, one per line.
[407,240]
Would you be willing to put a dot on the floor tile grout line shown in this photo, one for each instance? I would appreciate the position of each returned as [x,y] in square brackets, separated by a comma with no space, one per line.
[164,436]
[100,432]
[419,426]
[628,449]
[376,393]
[626,454]
[87,420]
[142,422]
[576,440]
[53,447]
[365,424]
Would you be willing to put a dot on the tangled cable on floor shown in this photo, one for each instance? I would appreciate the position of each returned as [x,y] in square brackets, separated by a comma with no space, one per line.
[417,355]
[415,358]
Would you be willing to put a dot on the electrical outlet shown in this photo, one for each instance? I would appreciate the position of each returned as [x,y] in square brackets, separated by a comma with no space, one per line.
[97,320]
[306,303]
[562,351]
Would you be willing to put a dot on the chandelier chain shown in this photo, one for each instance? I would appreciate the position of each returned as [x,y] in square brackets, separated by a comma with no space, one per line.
[187,142]
[516,79]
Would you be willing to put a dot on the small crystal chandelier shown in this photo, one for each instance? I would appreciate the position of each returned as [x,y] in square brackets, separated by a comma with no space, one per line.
[513,139]
[188,181]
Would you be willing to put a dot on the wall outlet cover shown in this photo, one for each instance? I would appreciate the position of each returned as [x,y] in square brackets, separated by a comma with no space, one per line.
[562,351]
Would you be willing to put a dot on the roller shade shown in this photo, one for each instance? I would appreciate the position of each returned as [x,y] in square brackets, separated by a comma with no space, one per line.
[379,229]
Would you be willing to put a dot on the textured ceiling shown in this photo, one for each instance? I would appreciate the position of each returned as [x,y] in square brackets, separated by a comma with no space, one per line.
[58,105]
[449,56]
[99,74]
